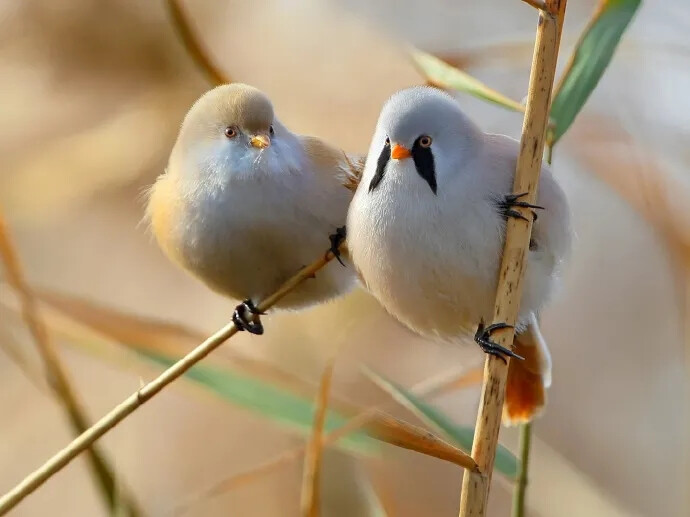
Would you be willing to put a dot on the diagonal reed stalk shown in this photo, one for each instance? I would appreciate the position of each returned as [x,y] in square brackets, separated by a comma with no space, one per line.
[183,28]
[144,394]
[475,487]
[57,377]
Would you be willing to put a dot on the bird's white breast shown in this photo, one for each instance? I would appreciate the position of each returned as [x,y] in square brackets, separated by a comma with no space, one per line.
[432,260]
[245,236]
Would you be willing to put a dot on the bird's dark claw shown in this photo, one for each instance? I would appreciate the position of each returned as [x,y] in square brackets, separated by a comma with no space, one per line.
[337,239]
[513,200]
[483,339]
[243,322]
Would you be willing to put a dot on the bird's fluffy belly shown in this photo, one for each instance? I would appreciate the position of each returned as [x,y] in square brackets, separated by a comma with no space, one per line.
[250,245]
[422,271]
[440,302]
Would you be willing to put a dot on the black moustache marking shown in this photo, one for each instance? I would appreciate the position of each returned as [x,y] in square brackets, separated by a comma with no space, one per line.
[424,163]
[380,167]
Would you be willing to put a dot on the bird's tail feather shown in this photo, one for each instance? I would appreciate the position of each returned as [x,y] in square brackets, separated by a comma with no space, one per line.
[352,171]
[527,380]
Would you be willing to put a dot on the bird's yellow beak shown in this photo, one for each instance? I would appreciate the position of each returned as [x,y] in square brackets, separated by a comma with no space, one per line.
[399,152]
[260,141]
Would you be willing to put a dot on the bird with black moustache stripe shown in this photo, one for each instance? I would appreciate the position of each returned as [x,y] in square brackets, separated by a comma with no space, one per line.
[426,234]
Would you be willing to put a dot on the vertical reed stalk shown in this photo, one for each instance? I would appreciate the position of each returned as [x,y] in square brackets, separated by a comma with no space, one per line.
[475,487]
[311,476]
[521,484]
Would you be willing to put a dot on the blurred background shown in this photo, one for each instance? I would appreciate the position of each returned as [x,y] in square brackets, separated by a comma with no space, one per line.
[92,93]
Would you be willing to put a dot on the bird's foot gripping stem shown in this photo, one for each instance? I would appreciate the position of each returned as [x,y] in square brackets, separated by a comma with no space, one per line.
[483,338]
[246,317]
[510,201]
[337,239]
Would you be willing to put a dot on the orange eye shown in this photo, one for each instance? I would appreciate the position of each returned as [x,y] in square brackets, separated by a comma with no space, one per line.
[230,132]
[425,141]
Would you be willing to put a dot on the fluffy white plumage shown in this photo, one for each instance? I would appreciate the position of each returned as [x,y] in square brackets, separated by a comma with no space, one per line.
[426,231]
[432,259]
[245,218]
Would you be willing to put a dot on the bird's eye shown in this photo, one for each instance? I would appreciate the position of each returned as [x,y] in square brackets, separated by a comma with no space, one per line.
[230,132]
[271,131]
[425,141]
[388,141]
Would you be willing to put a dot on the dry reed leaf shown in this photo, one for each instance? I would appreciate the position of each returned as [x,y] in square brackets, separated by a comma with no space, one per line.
[85,339]
[506,462]
[407,436]
[122,327]
[310,498]
[428,387]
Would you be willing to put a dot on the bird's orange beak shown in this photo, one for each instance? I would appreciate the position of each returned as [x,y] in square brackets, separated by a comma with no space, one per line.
[399,152]
[260,141]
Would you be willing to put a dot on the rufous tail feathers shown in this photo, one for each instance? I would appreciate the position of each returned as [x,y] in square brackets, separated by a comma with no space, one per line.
[527,380]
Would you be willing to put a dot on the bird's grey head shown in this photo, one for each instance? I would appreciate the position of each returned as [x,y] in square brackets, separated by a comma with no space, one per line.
[231,131]
[422,136]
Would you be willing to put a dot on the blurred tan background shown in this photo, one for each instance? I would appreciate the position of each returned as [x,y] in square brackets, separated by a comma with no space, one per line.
[91,96]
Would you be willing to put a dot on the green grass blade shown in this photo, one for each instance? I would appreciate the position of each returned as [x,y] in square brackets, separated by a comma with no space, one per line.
[506,462]
[269,401]
[592,55]
[445,76]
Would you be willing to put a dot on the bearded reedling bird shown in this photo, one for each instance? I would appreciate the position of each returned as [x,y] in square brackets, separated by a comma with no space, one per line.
[244,203]
[425,232]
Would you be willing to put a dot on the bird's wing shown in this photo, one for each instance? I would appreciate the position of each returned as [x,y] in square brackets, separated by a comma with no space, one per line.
[528,379]
[348,167]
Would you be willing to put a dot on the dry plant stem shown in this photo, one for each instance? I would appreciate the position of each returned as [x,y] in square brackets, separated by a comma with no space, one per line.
[137,399]
[475,487]
[520,488]
[191,43]
[55,372]
[310,498]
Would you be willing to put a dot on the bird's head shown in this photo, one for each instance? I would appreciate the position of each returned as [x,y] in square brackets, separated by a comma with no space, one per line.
[421,140]
[231,131]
